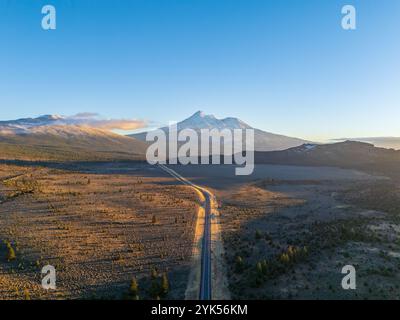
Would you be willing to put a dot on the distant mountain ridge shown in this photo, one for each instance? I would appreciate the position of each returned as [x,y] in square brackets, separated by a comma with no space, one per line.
[264,141]
[53,137]
[347,154]
[25,124]
[382,142]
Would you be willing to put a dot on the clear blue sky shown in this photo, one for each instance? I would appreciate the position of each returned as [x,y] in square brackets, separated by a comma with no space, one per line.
[282,66]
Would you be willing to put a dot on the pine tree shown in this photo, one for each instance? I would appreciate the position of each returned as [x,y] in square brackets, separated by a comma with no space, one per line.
[27,295]
[153,274]
[10,252]
[264,266]
[284,258]
[239,263]
[259,268]
[155,289]
[164,284]
[134,289]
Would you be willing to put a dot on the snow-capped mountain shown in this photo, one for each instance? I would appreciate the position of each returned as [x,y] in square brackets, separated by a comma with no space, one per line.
[264,141]
[200,120]
[42,120]
[24,125]
[53,137]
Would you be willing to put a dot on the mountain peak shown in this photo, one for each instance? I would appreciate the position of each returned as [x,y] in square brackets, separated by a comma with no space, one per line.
[31,122]
[199,113]
[202,115]
[51,117]
[263,141]
[201,120]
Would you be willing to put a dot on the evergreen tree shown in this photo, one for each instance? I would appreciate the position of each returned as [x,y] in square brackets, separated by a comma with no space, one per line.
[259,268]
[264,267]
[153,273]
[10,252]
[239,264]
[27,295]
[164,284]
[134,289]
[155,289]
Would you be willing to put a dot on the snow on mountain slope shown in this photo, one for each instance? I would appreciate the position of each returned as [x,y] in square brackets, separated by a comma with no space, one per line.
[55,137]
[200,120]
[264,141]
[21,126]
[84,119]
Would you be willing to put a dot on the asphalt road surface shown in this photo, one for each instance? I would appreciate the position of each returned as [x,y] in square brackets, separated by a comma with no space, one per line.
[205,283]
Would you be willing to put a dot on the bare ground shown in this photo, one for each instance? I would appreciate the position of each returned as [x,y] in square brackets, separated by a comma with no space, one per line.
[290,240]
[99,230]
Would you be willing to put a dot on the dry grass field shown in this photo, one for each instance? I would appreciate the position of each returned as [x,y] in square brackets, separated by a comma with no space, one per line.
[100,231]
[104,225]
[290,239]
[288,231]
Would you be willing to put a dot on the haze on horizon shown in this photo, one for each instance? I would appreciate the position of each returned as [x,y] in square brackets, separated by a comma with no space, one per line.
[285,67]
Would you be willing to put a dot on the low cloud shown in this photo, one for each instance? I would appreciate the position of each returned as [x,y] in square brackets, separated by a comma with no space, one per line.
[91,120]
[119,124]
[85,115]
[94,120]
